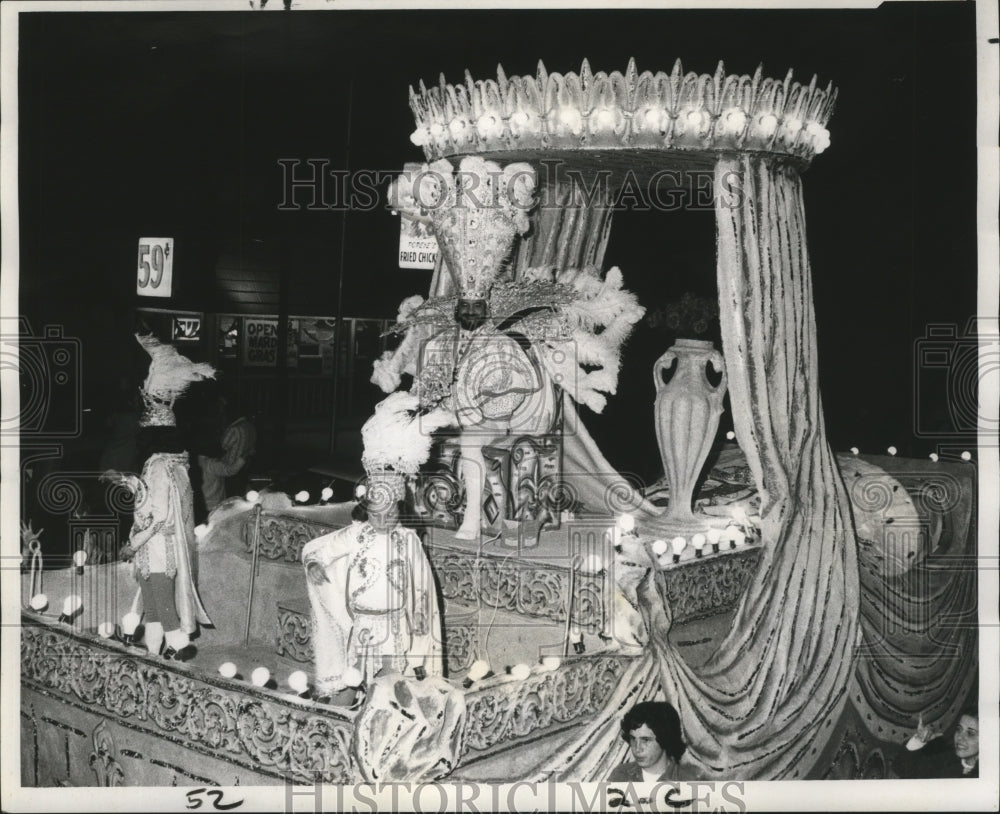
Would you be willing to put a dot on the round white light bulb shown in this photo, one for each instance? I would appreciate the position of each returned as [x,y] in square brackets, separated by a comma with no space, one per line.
[731,436]
[593,564]
[253,496]
[72,604]
[855,450]
[966,456]
[80,558]
[326,494]
[714,535]
[934,456]
[106,630]
[227,669]
[260,676]
[352,677]
[298,681]
[659,547]
[678,544]
[200,531]
[302,497]
[478,669]
[39,602]
[698,540]
[892,450]
[626,523]
[550,663]
[520,671]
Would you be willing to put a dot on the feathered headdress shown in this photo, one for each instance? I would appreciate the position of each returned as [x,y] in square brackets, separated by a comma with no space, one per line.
[170,374]
[397,437]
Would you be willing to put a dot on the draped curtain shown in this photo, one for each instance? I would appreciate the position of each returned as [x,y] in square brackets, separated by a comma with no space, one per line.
[759,707]
[919,620]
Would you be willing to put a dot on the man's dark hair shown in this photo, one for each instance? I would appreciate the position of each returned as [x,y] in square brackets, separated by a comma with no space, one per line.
[662,719]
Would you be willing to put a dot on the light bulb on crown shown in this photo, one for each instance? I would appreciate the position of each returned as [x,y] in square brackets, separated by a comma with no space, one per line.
[767,123]
[698,541]
[520,672]
[260,676]
[39,602]
[253,496]
[734,120]
[227,670]
[326,494]
[302,497]
[678,544]
[659,547]
[79,560]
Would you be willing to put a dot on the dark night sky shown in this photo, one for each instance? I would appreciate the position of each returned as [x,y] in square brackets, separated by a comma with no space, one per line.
[173,123]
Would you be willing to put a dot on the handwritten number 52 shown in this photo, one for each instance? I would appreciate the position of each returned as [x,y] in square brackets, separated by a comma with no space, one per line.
[195,799]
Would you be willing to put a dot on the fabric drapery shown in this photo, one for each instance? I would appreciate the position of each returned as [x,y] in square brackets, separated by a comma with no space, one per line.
[919,613]
[758,708]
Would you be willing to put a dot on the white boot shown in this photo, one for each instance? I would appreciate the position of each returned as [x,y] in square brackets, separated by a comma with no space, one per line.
[154,637]
[473,467]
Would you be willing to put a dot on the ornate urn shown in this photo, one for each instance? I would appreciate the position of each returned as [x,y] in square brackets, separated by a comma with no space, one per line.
[687,410]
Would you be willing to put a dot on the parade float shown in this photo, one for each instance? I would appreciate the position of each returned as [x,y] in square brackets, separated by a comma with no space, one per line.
[798,608]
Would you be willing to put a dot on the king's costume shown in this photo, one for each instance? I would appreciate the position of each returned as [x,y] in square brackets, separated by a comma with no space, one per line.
[378,608]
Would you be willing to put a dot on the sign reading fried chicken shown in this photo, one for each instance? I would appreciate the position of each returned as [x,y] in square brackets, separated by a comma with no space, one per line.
[418,248]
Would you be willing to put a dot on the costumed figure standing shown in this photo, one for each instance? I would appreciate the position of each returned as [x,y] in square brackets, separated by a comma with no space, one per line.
[371,588]
[162,540]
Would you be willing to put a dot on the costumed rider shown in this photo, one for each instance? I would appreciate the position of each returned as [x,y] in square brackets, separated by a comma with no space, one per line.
[371,588]
[162,541]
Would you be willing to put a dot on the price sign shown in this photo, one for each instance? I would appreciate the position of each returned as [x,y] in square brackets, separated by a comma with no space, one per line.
[156,267]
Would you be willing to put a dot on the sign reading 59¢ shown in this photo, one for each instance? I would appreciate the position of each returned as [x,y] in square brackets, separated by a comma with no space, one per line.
[156,267]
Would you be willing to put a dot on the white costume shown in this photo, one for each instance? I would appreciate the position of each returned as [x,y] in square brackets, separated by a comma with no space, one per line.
[378,608]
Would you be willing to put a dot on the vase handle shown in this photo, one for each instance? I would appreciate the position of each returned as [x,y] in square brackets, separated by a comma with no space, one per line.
[718,364]
[664,362]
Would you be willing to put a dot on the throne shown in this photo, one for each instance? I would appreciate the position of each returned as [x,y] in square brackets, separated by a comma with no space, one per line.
[523,479]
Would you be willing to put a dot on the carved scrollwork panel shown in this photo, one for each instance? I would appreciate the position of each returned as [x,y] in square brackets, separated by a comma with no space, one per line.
[702,588]
[511,710]
[227,723]
[294,635]
[282,537]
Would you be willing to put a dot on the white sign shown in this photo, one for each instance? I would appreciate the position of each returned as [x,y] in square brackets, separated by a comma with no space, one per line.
[260,342]
[418,248]
[156,267]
